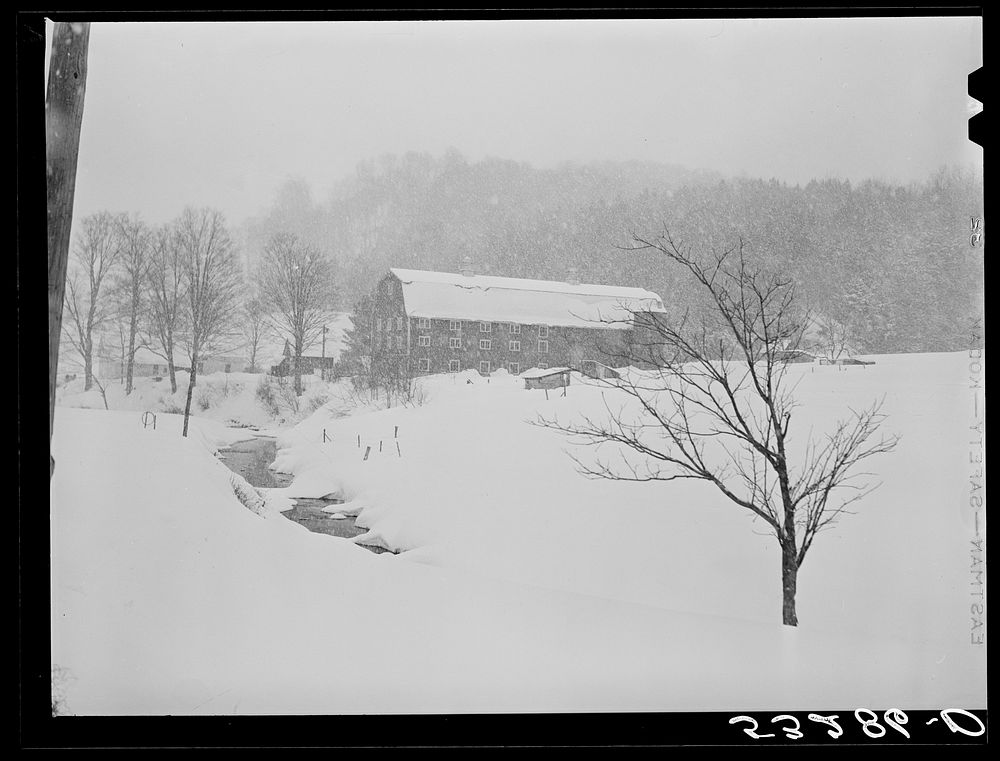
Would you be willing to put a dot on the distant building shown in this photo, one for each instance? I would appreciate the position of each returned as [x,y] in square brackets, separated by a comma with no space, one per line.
[445,322]
[307,364]
[145,364]
[148,364]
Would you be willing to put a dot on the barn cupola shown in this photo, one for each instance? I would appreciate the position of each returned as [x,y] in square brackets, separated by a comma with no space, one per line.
[467,267]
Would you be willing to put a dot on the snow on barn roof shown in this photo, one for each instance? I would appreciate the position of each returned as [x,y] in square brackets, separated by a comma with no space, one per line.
[444,295]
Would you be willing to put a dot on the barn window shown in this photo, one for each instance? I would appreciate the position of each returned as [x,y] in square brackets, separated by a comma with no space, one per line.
[484,367]
[455,343]
[514,346]
[454,366]
[486,327]
[455,325]
[515,328]
[514,368]
[399,343]
[543,347]
[423,322]
[424,341]
[485,343]
[543,331]
[424,365]
[399,323]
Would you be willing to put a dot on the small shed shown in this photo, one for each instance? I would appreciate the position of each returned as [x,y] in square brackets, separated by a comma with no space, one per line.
[793,356]
[548,377]
[845,361]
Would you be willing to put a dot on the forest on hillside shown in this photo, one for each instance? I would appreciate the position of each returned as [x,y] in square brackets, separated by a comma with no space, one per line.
[895,264]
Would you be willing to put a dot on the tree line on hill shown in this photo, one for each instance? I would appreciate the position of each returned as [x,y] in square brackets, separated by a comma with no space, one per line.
[888,264]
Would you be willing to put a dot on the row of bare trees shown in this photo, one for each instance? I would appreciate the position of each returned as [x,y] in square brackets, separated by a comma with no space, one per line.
[180,291]
[158,287]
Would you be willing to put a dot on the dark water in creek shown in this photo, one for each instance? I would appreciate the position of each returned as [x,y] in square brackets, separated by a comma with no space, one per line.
[251,459]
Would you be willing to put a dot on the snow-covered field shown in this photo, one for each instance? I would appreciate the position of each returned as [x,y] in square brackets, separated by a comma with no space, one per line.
[521,585]
[231,398]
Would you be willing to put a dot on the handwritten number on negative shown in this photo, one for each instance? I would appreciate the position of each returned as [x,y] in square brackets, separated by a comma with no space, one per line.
[752,732]
[792,733]
[835,730]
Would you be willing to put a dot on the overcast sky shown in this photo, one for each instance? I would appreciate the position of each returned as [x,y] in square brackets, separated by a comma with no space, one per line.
[220,114]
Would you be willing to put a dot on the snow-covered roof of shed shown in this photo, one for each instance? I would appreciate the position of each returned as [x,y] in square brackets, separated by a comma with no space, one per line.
[543,372]
[451,296]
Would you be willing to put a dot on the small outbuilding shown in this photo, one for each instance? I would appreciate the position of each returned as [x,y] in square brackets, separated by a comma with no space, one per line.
[845,361]
[794,356]
[546,377]
[308,363]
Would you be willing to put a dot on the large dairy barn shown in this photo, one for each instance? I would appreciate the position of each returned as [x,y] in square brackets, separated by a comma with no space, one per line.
[449,322]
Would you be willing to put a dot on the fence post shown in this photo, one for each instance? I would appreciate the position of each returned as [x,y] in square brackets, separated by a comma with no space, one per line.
[367,451]
[395,435]
[380,445]
[398,453]
[359,441]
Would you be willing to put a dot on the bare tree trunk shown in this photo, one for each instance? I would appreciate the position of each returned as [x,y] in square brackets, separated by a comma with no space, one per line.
[88,371]
[63,118]
[190,392]
[133,328]
[787,538]
[104,394]
[298,368]
[169,349]
[789,580]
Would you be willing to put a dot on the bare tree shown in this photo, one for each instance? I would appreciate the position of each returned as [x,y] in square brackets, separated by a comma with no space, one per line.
[87,305]
[256,326]
[712,403]
[296,284]
[835,337]
[130,286]
[212,285]
[393,375]
[166,298]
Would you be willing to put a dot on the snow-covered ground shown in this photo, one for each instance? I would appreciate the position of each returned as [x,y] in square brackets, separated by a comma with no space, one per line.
[521,585]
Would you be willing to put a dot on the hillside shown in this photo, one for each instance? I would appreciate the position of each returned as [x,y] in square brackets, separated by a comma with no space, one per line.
[894,263]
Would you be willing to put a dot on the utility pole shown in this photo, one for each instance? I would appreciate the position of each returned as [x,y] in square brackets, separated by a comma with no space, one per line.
[322,361]
[63,118]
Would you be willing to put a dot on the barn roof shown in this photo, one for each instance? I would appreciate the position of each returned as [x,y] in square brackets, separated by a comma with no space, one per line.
[444,295]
